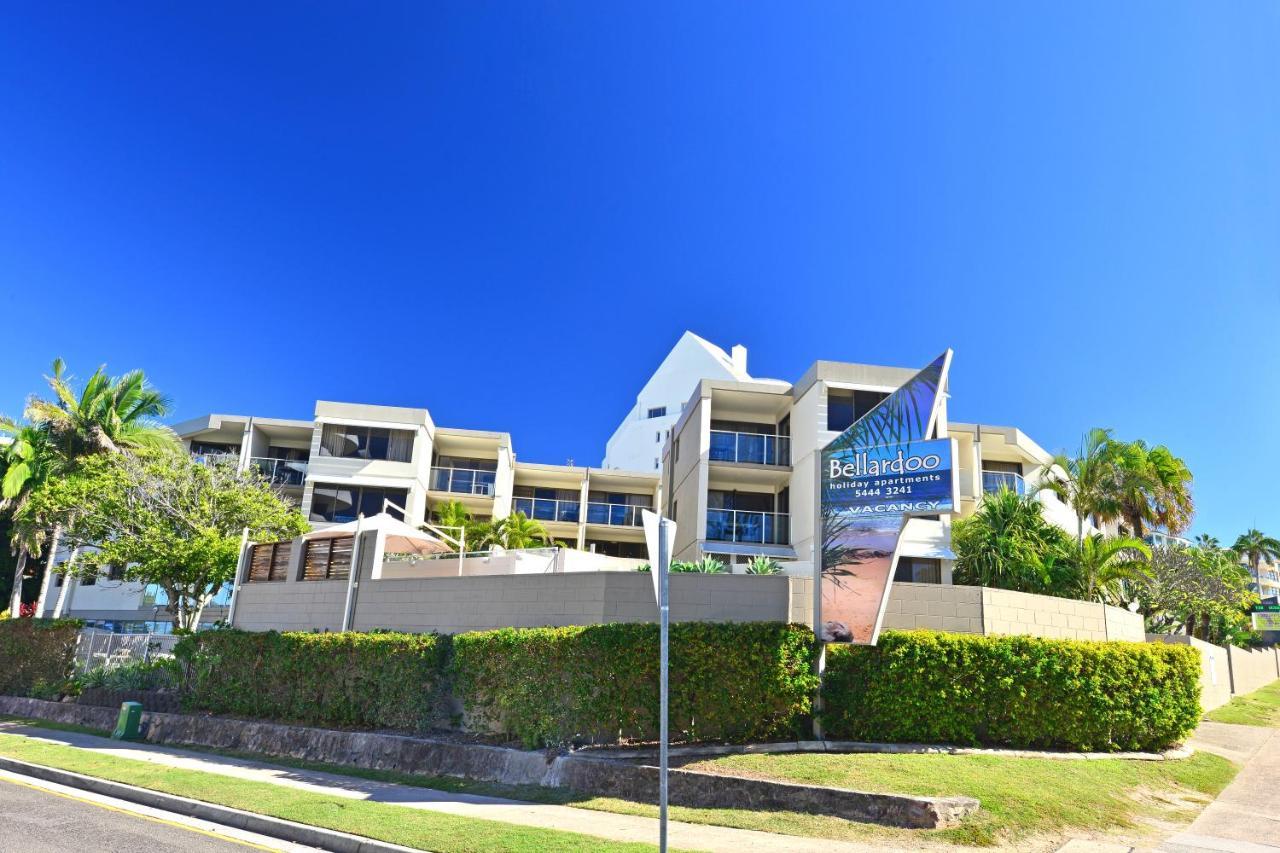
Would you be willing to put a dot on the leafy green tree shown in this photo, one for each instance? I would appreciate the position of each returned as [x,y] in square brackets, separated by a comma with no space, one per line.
[1203,592]
[1106,567]
[455,519]
[167,520]
[1256,547]
[1009,544]
[26,463]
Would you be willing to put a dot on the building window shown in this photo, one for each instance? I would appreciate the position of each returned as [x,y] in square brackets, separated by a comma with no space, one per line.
[655,463]
[358,442]
[918,570]
[330,502]
[844,408]
[675,451]
[269,562]
[657,436]
[657,411]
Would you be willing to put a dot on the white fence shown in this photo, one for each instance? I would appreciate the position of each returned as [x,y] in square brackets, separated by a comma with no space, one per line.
[103,649]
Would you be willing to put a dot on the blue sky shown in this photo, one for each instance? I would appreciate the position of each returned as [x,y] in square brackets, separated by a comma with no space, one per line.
[508,212]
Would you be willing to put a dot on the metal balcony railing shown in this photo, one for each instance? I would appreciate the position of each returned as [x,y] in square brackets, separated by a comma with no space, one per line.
[282,472]
[463,481]
[619,515]
[763,528]
[750,447]
[998,481]
[549,509]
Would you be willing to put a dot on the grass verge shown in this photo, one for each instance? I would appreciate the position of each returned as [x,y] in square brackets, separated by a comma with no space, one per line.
[1020,796]
[1259,708]
[421,829]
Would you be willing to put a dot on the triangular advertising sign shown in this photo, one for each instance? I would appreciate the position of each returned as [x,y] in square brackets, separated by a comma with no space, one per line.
[886,468]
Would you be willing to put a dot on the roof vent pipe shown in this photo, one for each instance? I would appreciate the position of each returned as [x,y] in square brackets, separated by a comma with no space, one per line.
[739,357]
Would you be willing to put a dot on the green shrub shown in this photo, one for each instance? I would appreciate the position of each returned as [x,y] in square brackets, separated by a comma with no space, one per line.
[548,686]
[383,680]
[1028,692]
[36,655]
[158,673]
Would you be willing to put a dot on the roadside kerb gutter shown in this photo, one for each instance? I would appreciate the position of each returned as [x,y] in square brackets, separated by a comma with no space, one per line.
[285,830]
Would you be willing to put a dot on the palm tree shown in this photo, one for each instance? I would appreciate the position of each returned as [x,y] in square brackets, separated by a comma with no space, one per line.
[1105,565]
[1204,540]
[1255,546]
[1009,544]
[1088,481]
[28,461]
[519,531]
[1153,488]
[110,414]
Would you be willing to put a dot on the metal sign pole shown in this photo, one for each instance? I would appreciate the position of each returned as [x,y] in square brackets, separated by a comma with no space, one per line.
[664,617]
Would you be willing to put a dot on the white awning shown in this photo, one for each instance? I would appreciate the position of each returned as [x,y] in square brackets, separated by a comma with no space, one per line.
[400,538]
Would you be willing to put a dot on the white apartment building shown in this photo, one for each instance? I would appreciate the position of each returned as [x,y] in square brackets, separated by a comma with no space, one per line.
[740,478]
[1266,581]
[735,456]
[637,443]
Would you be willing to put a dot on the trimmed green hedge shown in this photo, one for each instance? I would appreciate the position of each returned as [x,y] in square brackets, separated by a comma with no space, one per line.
[380,680]
[36,655]
[923,686]
[734,682]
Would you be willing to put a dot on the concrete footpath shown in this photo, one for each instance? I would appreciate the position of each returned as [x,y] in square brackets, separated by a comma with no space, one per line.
[687,836]
[1245,818]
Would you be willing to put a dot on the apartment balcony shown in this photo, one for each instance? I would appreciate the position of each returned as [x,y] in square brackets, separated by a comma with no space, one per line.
[761,528]
[549,509]
[281,472]
[750,447]
[994,482]
[616,515]
[463,481]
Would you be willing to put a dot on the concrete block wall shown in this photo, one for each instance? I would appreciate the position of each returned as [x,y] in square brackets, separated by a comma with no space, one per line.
[1124,625]
[1007,612]
[291,605]
[1215,668]
[1252,668]
[934,606]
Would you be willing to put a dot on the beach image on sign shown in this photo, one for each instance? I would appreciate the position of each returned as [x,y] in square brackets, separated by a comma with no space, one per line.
[867,495]
[881,471]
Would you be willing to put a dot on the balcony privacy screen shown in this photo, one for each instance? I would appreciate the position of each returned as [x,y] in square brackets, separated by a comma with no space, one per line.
[328,559]
[269,561]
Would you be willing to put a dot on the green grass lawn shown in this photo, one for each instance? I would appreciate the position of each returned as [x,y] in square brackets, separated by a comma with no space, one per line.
[1259,708]
[1020,796]
[425,830]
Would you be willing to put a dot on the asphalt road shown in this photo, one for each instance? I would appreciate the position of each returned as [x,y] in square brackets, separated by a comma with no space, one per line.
[37,820]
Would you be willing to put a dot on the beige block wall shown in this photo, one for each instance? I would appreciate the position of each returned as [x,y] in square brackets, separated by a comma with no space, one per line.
[1006,612]
[1215,671]
[1123,625]
[291,605]
[940,608]
[1253,668]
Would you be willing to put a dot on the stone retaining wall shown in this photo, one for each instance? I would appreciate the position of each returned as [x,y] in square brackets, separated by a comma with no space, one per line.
[479,762]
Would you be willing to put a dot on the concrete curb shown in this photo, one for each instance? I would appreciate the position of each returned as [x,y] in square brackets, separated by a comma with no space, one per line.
[296,833]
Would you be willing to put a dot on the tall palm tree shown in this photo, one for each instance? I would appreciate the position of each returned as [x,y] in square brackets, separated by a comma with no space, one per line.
[1152,488]
[1087,481]
[111,414]
[1105,565]
[1255,546]
[1204,540]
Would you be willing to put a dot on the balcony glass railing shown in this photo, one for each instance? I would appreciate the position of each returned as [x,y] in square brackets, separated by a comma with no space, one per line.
[750,447]
[216,458]
[549,509]
[463,481]
[998,481]
[620,515]
[764,528]
[282,472]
